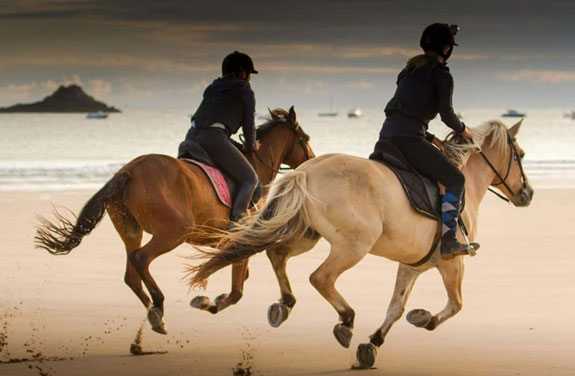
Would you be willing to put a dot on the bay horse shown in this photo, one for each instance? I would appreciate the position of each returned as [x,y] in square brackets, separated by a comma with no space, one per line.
[175,202]
[359,207]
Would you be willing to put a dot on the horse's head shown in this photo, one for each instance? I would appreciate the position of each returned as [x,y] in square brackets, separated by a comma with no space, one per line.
[499,150]
[283,127]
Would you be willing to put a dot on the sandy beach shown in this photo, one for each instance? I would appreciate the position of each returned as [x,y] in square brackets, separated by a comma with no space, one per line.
[76,314]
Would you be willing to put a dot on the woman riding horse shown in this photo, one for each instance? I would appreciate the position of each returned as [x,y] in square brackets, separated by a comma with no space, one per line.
[175,202]
[229,103]
[424,89]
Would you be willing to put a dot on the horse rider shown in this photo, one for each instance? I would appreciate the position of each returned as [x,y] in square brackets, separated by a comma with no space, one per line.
[424,89]
[228,104]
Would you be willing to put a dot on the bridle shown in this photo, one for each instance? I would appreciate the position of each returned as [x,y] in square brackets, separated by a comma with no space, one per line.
[503,180]
[301,138]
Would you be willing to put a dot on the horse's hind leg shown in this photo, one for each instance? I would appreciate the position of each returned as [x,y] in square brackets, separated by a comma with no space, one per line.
[404,282]
[239,275]
[141,259]
[342,257]
[452,274]
[279,312]
[131,234]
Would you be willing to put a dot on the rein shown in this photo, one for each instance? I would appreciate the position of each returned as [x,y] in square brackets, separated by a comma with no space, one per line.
[503,180]
[280,170]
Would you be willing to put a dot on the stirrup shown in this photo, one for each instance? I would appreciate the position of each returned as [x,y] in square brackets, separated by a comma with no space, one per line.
[453,248]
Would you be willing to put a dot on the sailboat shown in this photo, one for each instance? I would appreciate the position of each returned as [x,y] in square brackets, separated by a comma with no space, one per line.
[331,113]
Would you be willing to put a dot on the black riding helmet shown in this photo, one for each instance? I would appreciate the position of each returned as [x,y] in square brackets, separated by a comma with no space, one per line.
[436,36]
[237,62]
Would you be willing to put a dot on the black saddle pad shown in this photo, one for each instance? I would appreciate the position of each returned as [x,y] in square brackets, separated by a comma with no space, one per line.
[190,149]
[422,193]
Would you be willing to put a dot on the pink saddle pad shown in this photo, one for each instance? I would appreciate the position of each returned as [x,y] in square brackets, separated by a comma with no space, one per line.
[218,181]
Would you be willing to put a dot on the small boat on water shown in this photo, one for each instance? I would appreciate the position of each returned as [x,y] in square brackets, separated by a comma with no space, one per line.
[354,113]
[570,115]
[513,113]
[97,115]
[329,113]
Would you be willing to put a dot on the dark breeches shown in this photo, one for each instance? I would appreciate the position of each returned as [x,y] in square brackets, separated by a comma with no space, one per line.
[429,161]
[227,156]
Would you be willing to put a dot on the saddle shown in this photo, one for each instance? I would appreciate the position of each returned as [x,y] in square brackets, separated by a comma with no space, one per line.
[423,194]
[225,186]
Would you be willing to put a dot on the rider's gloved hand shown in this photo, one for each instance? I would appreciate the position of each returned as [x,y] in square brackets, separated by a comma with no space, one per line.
[467,133]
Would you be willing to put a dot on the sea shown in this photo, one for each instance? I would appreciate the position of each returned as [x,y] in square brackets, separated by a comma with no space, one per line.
[47,152]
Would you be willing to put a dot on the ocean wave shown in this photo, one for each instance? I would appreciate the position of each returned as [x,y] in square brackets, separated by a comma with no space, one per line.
[50,175]
[53,176]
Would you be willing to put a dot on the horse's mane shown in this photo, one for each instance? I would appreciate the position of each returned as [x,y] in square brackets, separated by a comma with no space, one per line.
[278,116]
[458,149]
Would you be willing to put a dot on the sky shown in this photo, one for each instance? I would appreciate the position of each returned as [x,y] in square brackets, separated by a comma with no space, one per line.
[162,54]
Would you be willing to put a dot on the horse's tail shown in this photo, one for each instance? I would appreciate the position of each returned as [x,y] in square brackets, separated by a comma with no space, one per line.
[284,219]
[61,236]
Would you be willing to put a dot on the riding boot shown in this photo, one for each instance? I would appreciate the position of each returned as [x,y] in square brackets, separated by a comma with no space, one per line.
[241,201]
[450,210]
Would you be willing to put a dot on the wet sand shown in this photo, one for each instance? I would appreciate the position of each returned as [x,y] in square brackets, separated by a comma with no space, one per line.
[73,315]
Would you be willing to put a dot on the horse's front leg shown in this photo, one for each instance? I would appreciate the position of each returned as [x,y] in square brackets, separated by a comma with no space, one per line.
[406,277]
[452,274]
[239,275]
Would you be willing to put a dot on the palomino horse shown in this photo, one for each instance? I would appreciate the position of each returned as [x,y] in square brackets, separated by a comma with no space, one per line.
[173,201]
[359,207]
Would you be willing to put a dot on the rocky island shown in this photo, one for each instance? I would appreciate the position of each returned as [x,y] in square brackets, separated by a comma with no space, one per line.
[65,99]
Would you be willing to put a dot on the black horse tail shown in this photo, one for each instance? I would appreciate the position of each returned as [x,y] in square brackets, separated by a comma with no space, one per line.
[61,236]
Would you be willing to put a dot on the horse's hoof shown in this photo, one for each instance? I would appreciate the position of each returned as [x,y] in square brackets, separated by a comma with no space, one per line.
[366,354]
[201,302]
[219,298]
[155,317]
[343,334]
[278,313]
[419,317]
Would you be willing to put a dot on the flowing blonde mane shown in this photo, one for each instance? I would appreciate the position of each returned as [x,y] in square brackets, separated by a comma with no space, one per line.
[458,149]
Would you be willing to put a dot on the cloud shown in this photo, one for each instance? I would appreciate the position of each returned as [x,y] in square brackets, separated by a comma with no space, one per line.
[16,93]
[540,76]
[25,88]
[74,80]
[50,85]
[109,61]
[330,69]
[370,52]
[360,85]
[468,57]
[100,88]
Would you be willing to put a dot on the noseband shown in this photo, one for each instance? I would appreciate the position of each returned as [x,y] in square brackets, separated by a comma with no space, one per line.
[503,180]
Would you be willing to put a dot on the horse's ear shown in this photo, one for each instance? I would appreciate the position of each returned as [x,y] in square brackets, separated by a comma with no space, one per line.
[272,114]
[292,117]
[515,129]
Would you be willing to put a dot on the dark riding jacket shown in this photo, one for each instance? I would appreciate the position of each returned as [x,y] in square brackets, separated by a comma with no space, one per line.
[231,102]
[424,89]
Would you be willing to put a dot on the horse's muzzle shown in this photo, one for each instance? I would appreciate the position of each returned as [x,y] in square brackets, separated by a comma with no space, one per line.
[524,196]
